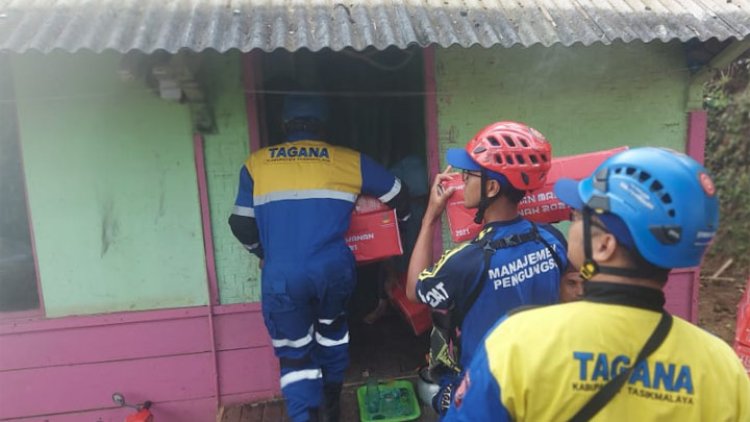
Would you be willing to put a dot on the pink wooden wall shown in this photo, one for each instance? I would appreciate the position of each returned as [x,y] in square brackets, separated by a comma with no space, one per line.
[683,285]
[66,365]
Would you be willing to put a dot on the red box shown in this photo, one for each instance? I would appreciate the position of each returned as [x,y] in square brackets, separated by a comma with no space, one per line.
[460,219]
[373,233]
[542,205]
[416,314]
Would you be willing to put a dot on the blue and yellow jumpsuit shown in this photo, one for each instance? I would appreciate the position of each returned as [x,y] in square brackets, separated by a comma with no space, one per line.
[293,209]
[545,364]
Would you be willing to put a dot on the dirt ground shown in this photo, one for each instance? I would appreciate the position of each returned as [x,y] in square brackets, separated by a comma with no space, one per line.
[718,299]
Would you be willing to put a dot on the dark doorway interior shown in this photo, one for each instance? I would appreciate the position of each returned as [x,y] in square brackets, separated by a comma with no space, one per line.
[377,107]
[18,287]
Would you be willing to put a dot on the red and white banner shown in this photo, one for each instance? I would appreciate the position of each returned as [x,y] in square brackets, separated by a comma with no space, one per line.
[542,205]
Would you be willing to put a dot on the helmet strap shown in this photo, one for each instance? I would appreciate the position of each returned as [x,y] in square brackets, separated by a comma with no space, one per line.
[590,268]
[484,201]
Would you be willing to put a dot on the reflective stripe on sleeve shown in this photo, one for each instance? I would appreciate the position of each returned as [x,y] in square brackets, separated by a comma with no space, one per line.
[243,211]
[395,189]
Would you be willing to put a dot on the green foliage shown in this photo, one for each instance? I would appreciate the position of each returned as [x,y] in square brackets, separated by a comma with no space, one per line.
[727,100]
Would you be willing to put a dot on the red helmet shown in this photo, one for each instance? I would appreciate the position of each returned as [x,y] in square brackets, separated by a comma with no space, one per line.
[518,152]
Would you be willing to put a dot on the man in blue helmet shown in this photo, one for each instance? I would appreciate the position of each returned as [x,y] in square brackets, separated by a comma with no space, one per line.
[293,209]
[616,354]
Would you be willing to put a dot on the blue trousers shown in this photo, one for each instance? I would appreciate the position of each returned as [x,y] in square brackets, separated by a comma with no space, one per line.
[304,309]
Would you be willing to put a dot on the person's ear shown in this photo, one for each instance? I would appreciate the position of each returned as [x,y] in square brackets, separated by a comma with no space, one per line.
[604,246]
[493,188]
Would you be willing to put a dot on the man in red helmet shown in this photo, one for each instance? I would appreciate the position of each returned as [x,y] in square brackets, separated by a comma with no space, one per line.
[511,263]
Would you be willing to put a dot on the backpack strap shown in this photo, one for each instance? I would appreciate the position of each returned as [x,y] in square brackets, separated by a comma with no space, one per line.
[609,390]
[551,250]
[489,247]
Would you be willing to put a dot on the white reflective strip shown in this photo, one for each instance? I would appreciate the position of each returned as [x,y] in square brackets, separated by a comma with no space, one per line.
[304,341]
[304,194]
[330,321]
[305,374]
[252,247]
[405,218]
[391,193]
[327,342]
[243,211]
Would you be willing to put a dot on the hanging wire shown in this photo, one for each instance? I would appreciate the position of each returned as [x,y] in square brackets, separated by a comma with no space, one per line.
[352,93]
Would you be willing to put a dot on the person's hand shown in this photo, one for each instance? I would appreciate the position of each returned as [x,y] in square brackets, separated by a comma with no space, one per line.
[438,196]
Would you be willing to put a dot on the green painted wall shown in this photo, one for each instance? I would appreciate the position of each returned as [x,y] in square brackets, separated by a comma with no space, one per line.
[582,98]
[226,150]
[112,187]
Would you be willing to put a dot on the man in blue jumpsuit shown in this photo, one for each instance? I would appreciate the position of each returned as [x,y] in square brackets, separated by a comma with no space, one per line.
[616,355]
[293,208]
[511,263]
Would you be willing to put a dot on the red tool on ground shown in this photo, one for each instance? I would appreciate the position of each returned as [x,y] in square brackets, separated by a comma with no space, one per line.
[142,410]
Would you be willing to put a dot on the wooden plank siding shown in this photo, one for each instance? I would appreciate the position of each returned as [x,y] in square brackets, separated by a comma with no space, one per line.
[163,356]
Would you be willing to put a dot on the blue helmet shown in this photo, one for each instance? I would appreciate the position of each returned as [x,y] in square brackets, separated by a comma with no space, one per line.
[666,199]
[304,107]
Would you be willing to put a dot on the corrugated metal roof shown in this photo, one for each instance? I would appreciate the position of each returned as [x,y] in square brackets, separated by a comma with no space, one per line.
[170,25]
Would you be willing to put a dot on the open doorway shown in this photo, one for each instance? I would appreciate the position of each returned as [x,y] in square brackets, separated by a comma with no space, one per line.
[377,107]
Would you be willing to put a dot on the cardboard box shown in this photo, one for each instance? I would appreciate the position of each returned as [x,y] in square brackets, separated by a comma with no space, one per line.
[417,315]
[542,205]
[373,233]
[460,219]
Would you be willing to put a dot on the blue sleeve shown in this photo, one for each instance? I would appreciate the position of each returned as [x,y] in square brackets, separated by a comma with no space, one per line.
[243,205]
[242,221]
[377,181]
[443,284]
[478,396]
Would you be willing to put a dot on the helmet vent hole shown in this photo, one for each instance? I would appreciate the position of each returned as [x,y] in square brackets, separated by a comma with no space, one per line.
[493,141]
[618,170]
[656,186]
[666,199]
[519,159]
[498,158]
[523,142]
[671,213]
[630,171]
[509,141]
[509,159]
[643,176]
[544,157]
[533,159]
